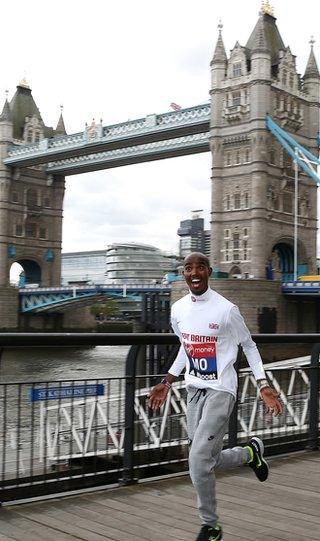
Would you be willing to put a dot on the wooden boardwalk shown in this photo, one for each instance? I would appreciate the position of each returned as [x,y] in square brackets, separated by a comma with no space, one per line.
[286,507]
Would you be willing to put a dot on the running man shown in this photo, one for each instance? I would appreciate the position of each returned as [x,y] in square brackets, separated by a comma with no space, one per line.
[210,329]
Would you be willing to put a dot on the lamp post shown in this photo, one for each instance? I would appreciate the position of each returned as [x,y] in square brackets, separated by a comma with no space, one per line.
[295,229]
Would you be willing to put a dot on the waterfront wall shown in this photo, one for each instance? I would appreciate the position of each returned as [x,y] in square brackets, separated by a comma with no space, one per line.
[9,308]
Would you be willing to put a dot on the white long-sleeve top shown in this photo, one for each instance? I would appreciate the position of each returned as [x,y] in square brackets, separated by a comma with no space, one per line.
[210,329]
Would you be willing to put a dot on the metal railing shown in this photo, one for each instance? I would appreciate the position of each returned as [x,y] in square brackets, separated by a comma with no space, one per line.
[64,435]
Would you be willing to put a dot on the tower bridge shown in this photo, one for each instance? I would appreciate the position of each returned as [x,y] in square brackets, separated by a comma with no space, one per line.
[99,147]
[255,205]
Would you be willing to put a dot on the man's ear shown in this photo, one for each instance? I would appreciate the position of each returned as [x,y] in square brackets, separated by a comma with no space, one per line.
[210,271]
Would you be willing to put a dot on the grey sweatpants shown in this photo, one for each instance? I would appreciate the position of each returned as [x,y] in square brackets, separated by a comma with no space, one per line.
[208,414]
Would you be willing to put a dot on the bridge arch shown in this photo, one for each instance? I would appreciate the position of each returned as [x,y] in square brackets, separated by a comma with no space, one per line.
[31,272]
[280,264]
[235,272]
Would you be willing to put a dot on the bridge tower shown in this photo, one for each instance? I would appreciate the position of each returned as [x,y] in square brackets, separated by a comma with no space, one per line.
[252,176]
[30,202]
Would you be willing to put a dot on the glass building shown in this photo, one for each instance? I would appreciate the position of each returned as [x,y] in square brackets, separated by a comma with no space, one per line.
[193,236]
[131,263]
[83,267]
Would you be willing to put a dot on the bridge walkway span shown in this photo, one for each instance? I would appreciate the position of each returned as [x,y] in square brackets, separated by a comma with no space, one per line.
[285,507]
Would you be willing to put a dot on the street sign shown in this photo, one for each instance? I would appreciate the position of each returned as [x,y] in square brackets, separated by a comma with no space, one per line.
[72,391]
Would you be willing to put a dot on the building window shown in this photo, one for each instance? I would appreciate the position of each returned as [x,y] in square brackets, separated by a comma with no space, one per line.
[238,157]
[227,233]
[37,137]
[18,230]
[247,155]
[246,200]
[42,233]
[236,256]
[227,256]
[29,136]
[236,99]
[245,232]
[227,245]
[245,252]
[15,197]
[272,156]
[46,202]
[228,202]
[287,202]
[32,197]
[236,241]
[237,201]
[228,158]
[291,80]
[31,230]
[284,77]
[237,69]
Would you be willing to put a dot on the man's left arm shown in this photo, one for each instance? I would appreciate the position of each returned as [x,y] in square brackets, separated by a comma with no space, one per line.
[241,334]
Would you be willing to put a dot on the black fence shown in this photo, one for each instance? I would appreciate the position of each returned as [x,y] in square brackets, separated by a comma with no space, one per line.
[64,435]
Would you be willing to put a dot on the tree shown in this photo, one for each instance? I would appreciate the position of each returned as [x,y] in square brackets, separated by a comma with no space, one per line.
[105,310]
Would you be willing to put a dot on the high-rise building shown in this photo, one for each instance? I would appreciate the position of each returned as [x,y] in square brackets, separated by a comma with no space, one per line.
[193,236]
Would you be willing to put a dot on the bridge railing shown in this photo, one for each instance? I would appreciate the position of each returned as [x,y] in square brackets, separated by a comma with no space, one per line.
[71,434]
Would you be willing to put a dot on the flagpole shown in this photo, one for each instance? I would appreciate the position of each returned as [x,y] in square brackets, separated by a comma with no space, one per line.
[295,231]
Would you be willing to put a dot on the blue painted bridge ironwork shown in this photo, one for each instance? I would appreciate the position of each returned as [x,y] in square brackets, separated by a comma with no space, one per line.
[53,299]
[151,138]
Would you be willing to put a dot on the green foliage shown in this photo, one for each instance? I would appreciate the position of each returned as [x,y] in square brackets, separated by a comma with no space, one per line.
[108,308]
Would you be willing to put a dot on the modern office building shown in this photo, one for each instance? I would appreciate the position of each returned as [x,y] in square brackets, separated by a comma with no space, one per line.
[120,263]
[131,263]
[193,236]
[84,267]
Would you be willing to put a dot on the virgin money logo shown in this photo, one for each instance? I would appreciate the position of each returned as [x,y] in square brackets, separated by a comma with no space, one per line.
[190,349]
[193,299]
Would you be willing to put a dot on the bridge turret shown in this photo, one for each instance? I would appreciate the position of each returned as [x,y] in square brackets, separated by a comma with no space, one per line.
[6,125]
[60,129]
[219,61]
[311,76]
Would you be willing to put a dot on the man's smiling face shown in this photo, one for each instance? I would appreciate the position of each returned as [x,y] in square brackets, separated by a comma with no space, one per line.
[196,271]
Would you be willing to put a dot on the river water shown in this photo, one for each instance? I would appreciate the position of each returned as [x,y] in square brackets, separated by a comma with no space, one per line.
[50,364]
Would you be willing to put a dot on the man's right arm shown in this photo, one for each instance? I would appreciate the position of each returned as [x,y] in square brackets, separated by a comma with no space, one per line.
[159,393]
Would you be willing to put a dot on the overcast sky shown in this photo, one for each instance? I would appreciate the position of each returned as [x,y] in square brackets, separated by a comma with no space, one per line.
[125,59]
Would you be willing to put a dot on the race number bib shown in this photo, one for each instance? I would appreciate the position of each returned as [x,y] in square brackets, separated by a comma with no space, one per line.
[202,360]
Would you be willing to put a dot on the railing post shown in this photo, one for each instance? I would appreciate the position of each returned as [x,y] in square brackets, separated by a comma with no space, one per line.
[313,436]
[128,444]
[233,421]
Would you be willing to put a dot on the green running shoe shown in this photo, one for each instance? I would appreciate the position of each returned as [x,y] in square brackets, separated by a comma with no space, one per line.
[210,533]
[256,460]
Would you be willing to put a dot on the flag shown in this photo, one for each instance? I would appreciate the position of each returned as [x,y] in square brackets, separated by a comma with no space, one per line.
[175,106]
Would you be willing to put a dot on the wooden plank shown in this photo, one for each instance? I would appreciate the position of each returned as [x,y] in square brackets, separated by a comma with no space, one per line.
[283,508]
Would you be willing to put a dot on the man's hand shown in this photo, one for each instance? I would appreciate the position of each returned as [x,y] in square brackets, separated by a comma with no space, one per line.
[158,396]
[271,400]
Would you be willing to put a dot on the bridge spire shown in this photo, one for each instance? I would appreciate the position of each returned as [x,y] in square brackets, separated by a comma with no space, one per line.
[6,111]
[60,129]
[312,70]
[219,55]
